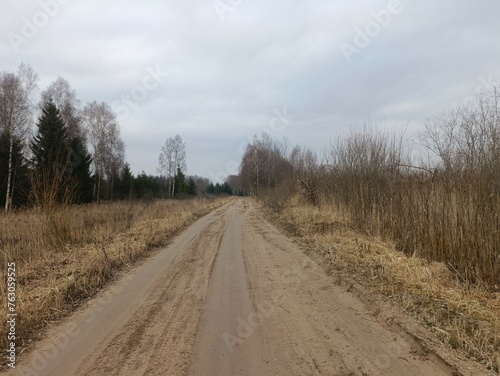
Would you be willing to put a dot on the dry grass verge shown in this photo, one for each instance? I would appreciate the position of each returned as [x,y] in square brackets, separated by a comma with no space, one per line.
[64,256]
[462,316]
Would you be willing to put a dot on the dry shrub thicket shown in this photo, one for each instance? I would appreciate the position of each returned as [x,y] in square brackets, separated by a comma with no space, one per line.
[64,255]
[448,211]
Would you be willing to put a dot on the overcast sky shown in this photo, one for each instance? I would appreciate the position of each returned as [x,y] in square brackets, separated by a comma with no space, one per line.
[218,72]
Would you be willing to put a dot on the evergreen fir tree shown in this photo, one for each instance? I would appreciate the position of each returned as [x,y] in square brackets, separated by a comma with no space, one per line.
[127,182]
[211,189]
[51,157]
[180,182]
[191,187]
[82,181]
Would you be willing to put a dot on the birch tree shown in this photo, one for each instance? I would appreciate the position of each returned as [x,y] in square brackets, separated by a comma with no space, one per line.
[179,157]
[103,133]
[16,106]
[64,97]
[166,164]
[172,158]
[114,156]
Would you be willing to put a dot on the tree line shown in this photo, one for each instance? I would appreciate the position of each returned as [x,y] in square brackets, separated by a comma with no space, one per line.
[73,153]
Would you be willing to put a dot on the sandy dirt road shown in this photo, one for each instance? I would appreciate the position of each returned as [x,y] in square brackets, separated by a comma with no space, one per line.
[230,296]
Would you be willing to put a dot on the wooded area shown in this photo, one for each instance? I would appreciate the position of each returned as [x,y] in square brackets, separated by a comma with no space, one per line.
[75,154]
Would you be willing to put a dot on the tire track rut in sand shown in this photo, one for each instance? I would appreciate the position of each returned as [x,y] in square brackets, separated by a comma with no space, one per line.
[166,320]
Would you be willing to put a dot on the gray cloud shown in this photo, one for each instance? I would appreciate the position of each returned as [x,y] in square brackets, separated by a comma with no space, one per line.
[227,77]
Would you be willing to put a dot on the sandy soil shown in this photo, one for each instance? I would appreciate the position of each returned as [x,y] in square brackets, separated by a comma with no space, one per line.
[230,296]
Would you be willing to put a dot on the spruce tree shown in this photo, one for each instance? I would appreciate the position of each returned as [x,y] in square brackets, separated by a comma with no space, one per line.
[51,158]
[191,187]
[81,178]
[127,182]
[180,183]
[211,188]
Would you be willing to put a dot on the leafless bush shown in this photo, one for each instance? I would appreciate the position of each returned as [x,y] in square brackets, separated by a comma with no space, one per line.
[52,186]
[365,171]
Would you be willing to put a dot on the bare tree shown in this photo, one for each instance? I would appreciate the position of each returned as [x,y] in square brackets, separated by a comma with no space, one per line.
[251,169]
[467,138]
[166,164]
[64,97]
[306,171]
[114,157]
[103,134]
[179,157]
[16,106]
[234,182]
[264,164]
[172,157]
